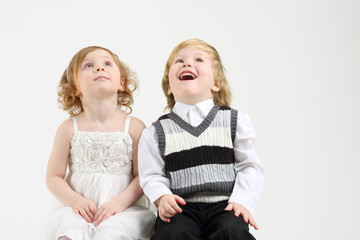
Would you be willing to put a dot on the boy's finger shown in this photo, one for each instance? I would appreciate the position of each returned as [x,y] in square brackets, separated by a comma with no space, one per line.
[169,209]
[176,208]
[229,207]
[162,217]
[246,218]
[253,223]
[180,200]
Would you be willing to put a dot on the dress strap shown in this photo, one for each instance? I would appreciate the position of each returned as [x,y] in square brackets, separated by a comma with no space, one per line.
[127,123]
[75,124]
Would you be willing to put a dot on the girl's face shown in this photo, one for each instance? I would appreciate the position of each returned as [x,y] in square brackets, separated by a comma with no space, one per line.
[191,76]
[99,75]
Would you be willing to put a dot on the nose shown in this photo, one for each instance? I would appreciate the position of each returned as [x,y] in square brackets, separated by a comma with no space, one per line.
[98,69]
[186,64]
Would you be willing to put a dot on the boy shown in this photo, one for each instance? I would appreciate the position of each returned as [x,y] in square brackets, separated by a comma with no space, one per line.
[198,163]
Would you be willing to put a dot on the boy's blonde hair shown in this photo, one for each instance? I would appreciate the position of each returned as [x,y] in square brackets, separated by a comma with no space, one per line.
[223,96]
[68,86]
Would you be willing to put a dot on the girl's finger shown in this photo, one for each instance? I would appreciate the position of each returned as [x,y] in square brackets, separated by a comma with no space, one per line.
[89,213]
[98,213]
[107,215]
[93,209]
[84,215]
[100,218]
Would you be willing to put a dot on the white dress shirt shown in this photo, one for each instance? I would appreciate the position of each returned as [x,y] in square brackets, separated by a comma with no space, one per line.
[249,171]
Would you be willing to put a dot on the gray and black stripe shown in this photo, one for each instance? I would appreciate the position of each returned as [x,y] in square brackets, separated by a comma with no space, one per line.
[199,159]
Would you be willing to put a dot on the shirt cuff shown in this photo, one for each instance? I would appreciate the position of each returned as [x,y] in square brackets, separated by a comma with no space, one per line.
[154,191]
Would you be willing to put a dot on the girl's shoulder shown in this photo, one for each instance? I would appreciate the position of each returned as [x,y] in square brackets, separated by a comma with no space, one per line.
[67,125]
[136,126]
[65,130]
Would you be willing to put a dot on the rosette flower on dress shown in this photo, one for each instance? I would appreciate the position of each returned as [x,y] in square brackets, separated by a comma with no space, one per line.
[96,152]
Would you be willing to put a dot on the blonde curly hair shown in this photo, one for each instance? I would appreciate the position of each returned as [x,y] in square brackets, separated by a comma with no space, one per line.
[68,86]
[223,96]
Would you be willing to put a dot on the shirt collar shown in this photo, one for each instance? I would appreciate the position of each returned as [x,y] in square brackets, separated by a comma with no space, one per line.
[181,109]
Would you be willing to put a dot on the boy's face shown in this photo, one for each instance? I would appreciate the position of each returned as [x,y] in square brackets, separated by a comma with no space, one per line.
[99,74]
[191,76]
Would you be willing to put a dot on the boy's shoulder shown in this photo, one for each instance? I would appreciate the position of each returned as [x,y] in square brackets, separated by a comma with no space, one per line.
[224,107]
[162,117]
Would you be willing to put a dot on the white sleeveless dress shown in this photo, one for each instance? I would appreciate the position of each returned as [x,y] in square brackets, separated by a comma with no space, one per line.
[100,168]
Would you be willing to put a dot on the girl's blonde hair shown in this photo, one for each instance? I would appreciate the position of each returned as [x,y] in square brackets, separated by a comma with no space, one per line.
[68,86]
[223,96]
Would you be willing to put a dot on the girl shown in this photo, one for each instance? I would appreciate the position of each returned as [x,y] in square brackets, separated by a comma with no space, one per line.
[99,146]
[198,163]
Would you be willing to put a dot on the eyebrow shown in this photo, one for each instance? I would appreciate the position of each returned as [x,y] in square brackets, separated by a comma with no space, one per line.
[86,60]
[106,57]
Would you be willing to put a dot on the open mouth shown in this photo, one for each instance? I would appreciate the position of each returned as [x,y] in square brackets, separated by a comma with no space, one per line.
[187,76]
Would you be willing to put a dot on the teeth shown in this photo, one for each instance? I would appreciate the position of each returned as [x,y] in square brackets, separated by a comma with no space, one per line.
[187,74]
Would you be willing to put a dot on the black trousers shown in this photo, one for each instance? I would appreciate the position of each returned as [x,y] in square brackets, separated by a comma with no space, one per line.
[206,221]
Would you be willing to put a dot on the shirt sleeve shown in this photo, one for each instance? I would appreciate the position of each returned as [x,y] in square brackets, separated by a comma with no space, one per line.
[151,166]
[249,171]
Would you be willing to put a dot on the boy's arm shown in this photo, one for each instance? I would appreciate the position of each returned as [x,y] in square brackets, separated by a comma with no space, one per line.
[249,170]
[152,175]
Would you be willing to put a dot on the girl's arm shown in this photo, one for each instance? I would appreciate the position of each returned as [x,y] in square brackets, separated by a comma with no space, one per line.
[56,171]
[133,191]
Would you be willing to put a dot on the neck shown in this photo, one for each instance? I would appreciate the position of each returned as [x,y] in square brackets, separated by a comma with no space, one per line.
[191,101]
[99,110]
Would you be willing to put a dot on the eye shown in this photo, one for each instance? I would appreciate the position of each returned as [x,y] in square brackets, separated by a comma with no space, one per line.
[88,65]
[108,64]
[179,61]
[198,60]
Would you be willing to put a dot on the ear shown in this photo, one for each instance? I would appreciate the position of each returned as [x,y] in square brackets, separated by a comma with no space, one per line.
[215,88]
[122,85]
[77,93]
[169,91]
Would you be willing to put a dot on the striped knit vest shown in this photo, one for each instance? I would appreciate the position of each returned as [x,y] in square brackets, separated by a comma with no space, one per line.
[199,159]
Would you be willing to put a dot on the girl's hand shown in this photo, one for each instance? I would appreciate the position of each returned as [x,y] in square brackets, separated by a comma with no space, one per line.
[85,208]
[240,210]
[168,206]
[106,210]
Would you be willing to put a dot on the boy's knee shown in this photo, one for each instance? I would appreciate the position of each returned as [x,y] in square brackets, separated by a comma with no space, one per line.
[230,227]
[178,228]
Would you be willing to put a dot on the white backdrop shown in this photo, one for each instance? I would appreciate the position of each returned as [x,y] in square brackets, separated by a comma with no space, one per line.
[293,67]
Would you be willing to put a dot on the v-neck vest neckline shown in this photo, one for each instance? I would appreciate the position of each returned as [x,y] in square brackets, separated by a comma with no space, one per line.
[198,130]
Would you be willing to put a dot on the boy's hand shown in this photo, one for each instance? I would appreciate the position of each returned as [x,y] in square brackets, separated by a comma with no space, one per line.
[168,206]
[85,208]
[240,210]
